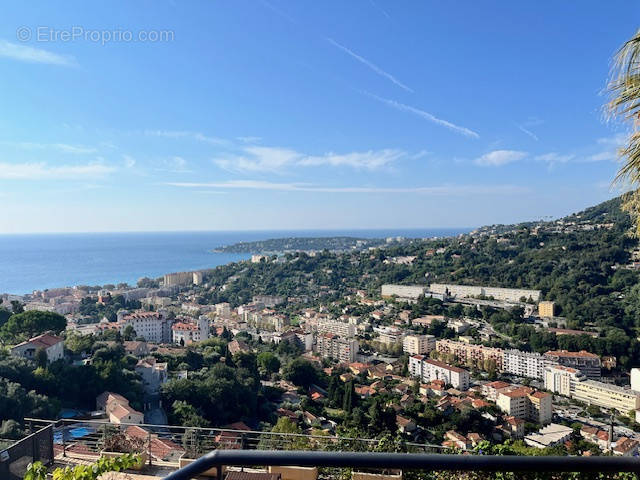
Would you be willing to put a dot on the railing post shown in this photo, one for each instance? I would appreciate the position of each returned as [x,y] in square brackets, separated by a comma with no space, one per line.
[64,442]
[149,447]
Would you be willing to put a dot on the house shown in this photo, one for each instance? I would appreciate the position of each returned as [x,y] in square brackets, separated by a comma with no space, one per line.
[232,437]
[137,349]
[626,447]
[236,346]
[118,409]
[456,439]
[514,427]
[153,374]
[161,449]
[405,425]
[52,345]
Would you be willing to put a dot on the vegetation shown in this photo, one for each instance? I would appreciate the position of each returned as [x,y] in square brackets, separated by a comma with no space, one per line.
[274,245]
[38,471]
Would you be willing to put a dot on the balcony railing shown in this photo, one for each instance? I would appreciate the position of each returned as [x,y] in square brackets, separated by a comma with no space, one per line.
[406,461]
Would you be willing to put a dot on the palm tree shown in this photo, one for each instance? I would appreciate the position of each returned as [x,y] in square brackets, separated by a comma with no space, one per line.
[624,104]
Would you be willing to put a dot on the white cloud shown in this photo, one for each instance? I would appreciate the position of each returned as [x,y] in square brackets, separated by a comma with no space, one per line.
[41,170]
[61,147]
[24,53]
[306,187]
[198,136]
[499,157]
[554,157]
[249,139]
[260,159]
[373,67]
[177,164]
[426,115]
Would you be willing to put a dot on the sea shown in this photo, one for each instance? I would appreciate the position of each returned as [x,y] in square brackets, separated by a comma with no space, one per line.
[31,262]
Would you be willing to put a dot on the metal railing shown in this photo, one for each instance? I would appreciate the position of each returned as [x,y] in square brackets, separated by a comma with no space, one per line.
[405,461]
[15,459]
[164,445]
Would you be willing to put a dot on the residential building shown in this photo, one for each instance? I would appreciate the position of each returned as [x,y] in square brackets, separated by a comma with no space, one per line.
[562,380]
[525,403]
[183,279]
[429,370]
[341,349]
[52,345]
[524,364]
[418,344]
[269,301]
[409,292]
[491,390]
[118,409]
[503,294]
[635,379]
[188,332]
[546,309]
[608,396]
[476,355]
[152,326]
[153,374]
[342,329]
[587,363]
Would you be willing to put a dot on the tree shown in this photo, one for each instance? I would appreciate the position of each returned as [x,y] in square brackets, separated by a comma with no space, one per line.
[624,103]
[301,372]
[268,363]
[32,323]
[129,333]
[349,397]
[41,358]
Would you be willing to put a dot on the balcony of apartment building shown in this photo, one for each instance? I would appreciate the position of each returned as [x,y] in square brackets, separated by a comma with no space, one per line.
[183,453]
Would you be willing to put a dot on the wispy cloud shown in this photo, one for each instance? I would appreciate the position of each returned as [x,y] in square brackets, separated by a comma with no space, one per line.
[528,132]
[553,158]
[498,158]
[41,170]
[262,159]
[372,66]
[379,8]
[198,136]
[25,53]
[306,187]
[61,147]
[176,164]
[425,115]
[249,139]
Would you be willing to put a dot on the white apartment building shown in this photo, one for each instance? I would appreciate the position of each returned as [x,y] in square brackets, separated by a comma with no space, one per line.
[341,329]
[562,380]
[403,291]
[608,396]
[188,332]
[428,370]
[503,294]
[152,326]
[524,364]
[418,344]
[525,403]
[343,350]
[223,310]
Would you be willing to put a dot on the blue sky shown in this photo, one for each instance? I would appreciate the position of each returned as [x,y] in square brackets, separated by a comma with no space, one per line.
[237,114]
